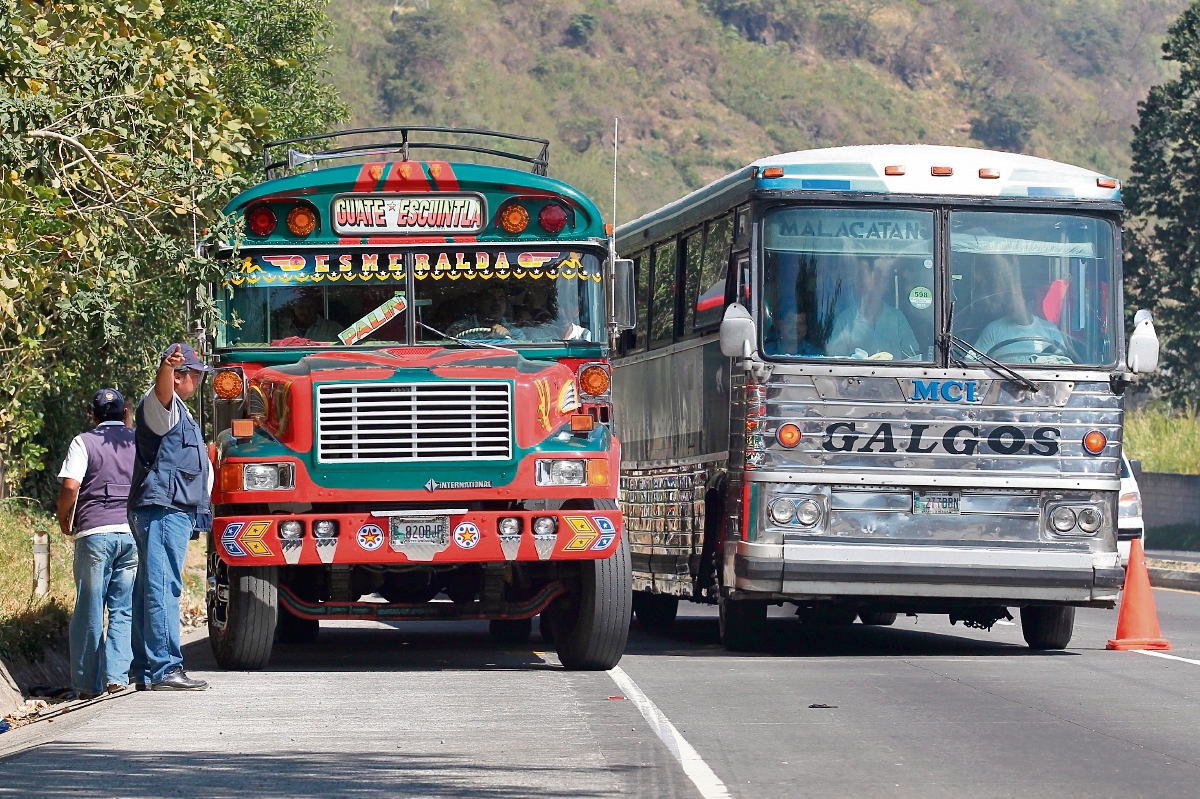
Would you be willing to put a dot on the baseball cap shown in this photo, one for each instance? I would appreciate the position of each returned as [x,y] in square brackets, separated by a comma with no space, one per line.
[190,361]
[108,404]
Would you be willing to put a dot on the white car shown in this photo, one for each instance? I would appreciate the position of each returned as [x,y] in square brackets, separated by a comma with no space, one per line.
[1129,514]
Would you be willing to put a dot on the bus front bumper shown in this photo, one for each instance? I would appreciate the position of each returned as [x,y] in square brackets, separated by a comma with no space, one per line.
[1073,575]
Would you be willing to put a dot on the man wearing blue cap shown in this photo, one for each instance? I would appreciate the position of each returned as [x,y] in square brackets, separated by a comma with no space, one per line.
[96,476]
[172,484]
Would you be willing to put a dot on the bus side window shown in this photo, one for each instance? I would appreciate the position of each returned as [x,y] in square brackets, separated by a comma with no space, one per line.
[662,295]
[693,262]
[641,270]
[710,304]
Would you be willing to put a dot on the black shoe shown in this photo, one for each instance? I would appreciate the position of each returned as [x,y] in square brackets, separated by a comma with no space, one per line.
[179,681]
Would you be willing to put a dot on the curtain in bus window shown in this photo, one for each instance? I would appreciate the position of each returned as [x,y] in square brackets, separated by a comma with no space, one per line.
[662,298]
[853,283]
[1033,287]
[694,254]
[641,271]
[710,304]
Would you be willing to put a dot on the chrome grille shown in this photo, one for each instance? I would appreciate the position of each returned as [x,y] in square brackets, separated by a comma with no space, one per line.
[413,421]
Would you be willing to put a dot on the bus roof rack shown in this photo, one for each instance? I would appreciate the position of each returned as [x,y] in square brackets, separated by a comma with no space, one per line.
[297,158]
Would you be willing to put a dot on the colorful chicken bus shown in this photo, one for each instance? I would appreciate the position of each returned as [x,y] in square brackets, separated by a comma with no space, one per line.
[411,400]
[878,380]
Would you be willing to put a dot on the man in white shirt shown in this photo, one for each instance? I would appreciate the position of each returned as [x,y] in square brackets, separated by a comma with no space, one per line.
[872,328]
[95,478]
[1016,335]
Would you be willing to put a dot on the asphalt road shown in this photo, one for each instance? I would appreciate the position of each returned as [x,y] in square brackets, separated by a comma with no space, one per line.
[921,709]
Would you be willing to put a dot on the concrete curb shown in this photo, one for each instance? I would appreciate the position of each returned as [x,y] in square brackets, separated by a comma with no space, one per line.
[1175,578]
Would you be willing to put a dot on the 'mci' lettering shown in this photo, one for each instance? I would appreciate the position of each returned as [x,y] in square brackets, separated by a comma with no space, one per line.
[948,391]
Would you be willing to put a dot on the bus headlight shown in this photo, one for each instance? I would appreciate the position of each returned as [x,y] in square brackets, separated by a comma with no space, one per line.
[267,476]
[561,472]
[808,512]
[1063,519]
[1089,520]
[782,511]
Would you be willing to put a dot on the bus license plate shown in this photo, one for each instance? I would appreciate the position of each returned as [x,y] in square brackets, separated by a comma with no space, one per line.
[933,504]
[404,530]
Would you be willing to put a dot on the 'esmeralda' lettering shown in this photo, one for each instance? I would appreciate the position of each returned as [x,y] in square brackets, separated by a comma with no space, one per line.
[961,439]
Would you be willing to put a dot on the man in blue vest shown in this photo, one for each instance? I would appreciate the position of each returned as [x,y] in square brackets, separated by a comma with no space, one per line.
[96,476]
[172,483]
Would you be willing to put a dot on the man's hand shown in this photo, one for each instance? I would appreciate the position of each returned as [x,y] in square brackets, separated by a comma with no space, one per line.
[68,494]
[164,381]
[500,330]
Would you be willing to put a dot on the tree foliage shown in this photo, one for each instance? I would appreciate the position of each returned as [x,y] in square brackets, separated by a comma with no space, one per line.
[1162,266]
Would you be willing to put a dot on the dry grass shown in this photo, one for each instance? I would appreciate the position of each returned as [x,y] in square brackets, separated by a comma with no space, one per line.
[1164,439]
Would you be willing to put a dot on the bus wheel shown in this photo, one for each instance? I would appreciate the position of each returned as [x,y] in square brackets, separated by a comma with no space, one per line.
[877,618]
[243,606]
[591,625]
[510,631]
[655,612]
[295,630]
[1047,626]
[743,624]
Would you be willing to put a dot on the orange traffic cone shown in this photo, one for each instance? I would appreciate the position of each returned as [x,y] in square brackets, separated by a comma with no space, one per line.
[1137,623]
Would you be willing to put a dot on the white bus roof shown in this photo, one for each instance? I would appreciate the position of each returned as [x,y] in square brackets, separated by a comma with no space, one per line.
[961,172]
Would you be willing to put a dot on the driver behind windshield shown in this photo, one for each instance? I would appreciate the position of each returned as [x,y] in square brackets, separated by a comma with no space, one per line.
[1016,334]
[492,317]
[870,328]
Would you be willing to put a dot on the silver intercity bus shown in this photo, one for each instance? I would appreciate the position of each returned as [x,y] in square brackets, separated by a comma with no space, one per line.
[878,380]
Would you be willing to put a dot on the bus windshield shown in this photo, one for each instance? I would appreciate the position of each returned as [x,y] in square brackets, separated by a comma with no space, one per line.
[848,284]
[1033,287]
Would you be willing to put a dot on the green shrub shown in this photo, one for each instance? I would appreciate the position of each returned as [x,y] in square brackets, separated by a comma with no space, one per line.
[1164,439]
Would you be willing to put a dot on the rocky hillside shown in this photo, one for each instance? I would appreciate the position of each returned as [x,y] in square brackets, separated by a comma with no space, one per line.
[702,88]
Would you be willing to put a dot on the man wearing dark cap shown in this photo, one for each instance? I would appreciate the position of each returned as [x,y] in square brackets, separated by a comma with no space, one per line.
[95,477]
[172,483]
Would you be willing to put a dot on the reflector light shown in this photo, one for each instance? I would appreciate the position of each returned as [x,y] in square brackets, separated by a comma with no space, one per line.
[788,435]
[227,384]
[513,219]
[773,172]
[941,171]
[1094,442]
[552,218]
[894,171]
[230,477]
[594,380]
[608,229]
[260,220]
[242,428]
[597,472]
[301,220]
[582,423]
[989,174]
[1108,183]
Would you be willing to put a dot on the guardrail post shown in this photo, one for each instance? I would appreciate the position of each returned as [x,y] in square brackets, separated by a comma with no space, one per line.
[41,563]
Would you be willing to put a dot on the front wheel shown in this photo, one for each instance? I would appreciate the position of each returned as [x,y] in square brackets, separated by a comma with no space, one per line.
[743,624]
[243,608]
[1047,626]
[591,625]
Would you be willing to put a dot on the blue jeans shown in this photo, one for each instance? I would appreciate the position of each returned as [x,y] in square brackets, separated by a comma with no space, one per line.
[162,538]
[105,566]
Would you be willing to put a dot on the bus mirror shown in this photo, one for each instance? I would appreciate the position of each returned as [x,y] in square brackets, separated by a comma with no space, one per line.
[1142,354]
[624,294]
[738,336]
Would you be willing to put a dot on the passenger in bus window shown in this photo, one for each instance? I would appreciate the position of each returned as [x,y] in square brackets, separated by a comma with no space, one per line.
[869,328]
[1016,334]
[301,317]
[789,335]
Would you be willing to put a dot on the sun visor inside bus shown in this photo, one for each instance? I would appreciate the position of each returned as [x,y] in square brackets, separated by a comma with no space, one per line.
[1000,245]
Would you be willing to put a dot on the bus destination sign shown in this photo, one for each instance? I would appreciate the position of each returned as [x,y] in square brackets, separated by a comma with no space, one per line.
[407,214]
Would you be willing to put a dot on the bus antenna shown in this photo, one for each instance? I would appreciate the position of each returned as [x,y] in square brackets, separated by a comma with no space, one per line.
[616,129]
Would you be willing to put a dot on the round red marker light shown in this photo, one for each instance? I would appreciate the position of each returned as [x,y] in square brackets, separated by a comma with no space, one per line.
[260,220]
[553,218]
[1094,442]
[788,435]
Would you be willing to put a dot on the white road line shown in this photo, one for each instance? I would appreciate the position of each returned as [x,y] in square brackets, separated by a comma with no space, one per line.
[698,772]
[1165,655]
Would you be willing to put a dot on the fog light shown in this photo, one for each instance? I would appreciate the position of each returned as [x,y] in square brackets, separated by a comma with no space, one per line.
[561,472]
[1063,519]
[325,528]
[545,525]
[782,511]
[291,530]
[808,512]
[1090,520]
[508,525]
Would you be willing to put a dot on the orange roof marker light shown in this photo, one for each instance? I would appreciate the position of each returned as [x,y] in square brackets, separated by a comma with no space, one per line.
[514,219]
[773,172]
[894,171]
[1108,183]
[987,173]
[941,171]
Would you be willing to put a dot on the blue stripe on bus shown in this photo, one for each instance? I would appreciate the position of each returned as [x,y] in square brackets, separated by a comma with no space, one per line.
[1049,191]
[835,185]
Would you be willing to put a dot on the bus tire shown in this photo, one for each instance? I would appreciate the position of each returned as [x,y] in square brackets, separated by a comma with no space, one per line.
[877,618]
[295,630]
[743,624]
[1047,626]
[590,627]
[655,612]
[510,631]
[242,628]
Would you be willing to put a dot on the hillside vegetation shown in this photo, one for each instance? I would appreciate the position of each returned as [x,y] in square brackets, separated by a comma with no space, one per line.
[703,88]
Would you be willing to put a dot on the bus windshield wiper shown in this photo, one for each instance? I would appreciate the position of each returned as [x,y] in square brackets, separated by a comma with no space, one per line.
[952,340]
[466,342]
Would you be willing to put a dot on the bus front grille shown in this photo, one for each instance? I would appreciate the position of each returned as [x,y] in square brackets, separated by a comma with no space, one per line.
[390,422]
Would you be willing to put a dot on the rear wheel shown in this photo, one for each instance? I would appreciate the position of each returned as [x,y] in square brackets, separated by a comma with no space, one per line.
[1047,626]
[877,618]
[655,612]
[590,625]
[743,624]
[510,631]
[243,608]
